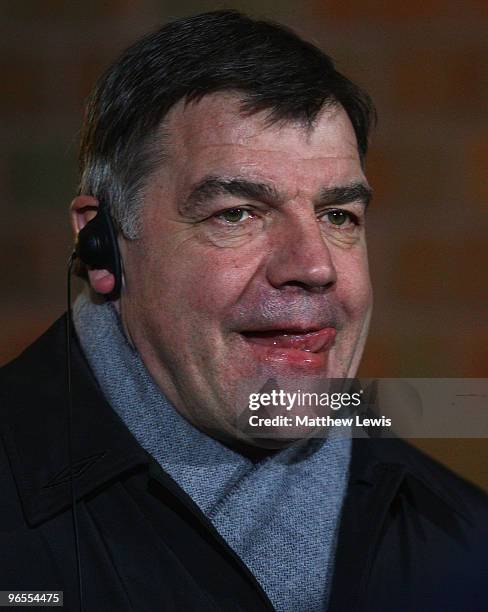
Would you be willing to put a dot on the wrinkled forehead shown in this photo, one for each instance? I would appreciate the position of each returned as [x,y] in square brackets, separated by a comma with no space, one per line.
[214,135]
[217,120]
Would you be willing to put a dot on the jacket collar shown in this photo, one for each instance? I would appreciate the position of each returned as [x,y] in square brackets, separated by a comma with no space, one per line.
[373,458]
[35,427]
[35,433]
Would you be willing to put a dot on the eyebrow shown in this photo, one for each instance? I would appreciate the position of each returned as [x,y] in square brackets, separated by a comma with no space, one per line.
[213,186]
[355,192]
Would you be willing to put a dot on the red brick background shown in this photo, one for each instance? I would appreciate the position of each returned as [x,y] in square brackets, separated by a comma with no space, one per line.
[424,62]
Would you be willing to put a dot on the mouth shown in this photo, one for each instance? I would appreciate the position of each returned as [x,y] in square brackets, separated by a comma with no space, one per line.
[306,348]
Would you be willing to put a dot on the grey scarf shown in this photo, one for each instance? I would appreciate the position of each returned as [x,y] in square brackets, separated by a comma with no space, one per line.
[280,515]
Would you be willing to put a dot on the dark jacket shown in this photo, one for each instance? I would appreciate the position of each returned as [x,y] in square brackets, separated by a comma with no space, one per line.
[413,536]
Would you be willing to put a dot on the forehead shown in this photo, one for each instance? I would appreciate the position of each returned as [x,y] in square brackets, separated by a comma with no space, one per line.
[213,135]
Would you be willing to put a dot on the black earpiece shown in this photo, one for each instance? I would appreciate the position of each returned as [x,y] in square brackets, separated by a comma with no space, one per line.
[98,249]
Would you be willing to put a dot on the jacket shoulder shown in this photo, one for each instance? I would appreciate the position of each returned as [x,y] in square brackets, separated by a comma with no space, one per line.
[34,373]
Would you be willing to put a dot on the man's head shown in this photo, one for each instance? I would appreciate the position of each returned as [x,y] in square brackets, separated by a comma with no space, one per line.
[230,153]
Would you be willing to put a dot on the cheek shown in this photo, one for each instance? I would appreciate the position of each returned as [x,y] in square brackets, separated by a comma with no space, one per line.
[353,283]
[210,283]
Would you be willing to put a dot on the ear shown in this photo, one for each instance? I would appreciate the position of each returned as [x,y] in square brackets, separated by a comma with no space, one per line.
[82,210]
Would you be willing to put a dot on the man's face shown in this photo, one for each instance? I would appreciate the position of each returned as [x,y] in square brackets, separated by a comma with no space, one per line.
[252,258]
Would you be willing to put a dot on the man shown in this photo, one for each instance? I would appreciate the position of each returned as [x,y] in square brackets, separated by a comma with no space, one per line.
[229,155]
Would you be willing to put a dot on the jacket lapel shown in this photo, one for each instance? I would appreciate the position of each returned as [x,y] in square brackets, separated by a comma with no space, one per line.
[372,487]
[380,471]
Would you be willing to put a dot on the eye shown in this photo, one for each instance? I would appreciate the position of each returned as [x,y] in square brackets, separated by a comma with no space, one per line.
[234,215]
[341,218]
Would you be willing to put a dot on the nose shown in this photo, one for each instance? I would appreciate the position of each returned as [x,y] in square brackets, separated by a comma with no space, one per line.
[300,256]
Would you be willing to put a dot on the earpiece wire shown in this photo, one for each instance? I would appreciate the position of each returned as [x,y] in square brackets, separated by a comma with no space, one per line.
[69,326]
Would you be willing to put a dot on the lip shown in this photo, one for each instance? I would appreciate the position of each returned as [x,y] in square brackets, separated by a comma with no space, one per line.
[304,348]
